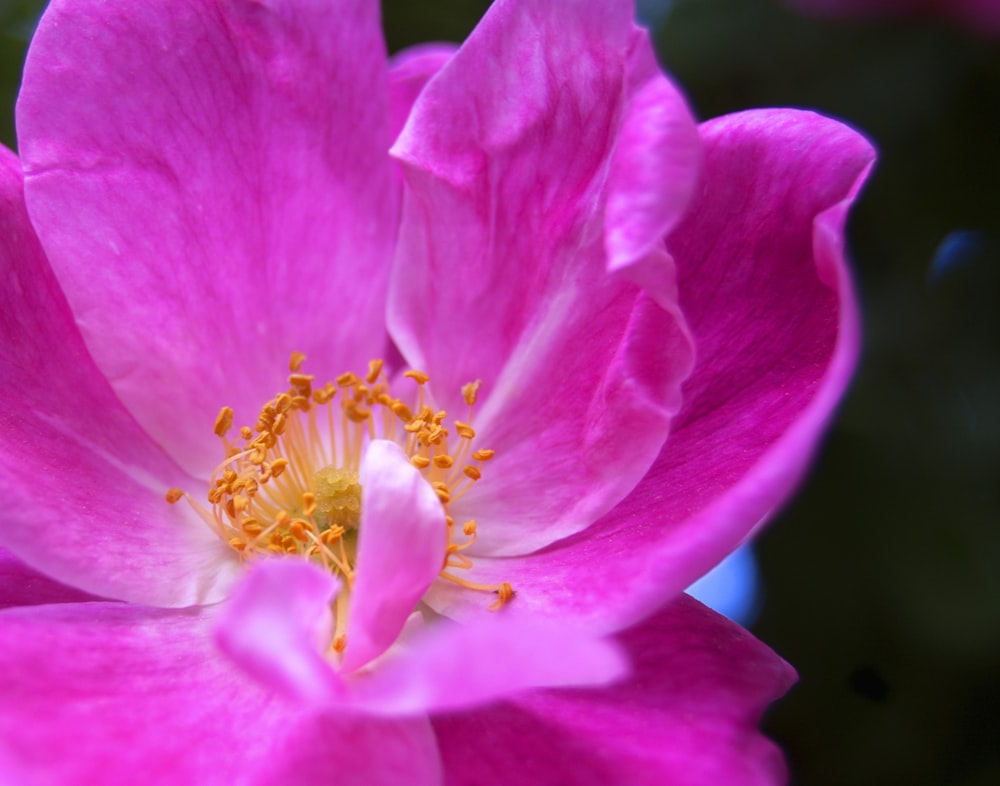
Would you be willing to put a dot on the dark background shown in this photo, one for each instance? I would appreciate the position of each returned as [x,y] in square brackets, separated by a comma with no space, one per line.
[881,580]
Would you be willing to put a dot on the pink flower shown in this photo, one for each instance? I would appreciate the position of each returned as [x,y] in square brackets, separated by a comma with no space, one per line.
[979,15]
[204,189]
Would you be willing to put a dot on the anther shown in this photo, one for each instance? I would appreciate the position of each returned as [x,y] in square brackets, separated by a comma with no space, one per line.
[471,391]
[296,362]
[174,495]
[223,421]
[374,369]
[417,376]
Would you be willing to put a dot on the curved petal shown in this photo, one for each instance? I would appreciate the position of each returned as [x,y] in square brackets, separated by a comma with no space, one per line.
[686,716]
[401,548]
[768,294]
[409,72]
[655,166]
[210,182]
[82,484]
[22,586]
[501,273]
[276,626]
[96,693]
[448,667]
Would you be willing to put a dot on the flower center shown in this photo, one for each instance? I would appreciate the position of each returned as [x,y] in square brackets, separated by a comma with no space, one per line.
[290,484]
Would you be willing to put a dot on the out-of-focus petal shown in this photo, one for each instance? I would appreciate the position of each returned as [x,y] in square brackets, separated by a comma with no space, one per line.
[82,484]
[765,286]
[448,666]
[401,547]
[111,694]
[502,270]
[686,716]
[210,182]
[277,625]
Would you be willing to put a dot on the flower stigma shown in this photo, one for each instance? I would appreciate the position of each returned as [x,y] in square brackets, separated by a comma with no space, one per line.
[290,485]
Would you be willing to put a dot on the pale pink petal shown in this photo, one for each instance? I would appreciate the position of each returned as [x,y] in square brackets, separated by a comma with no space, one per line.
[210,182]
[449,667]
[401,548]
[115,694]
[687,716]
[277,626]
[768,295]
[502,270]
[22,586]
[409,71]
[82,484]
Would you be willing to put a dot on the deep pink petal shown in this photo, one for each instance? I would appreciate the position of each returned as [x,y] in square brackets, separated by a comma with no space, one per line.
[210,182]
[22,586]
[409,71]
[655,166]
[401,548]
[116,694]
[687,716]
[765,285]
[82,483]
[277,626]
[448,667]
[502,270]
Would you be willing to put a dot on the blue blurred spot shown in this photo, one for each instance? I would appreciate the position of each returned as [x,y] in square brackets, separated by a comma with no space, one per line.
[958,251]
[732,588]
[652,13]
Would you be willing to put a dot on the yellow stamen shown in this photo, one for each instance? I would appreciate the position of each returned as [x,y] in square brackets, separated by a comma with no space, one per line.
[290,484]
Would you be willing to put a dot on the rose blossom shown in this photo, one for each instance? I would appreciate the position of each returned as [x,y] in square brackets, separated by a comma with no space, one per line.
[450,566]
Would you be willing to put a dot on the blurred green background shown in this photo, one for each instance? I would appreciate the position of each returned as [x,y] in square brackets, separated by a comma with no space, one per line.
[881,580]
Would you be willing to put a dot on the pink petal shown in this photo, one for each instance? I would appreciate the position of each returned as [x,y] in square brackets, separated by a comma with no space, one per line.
[656,163]
[409,71]
[401,548]
[687,716]
[22,586]
[278,624]
[449,667]
[211,185]
[108,693]
[502,271]
[82,483]
[767,291]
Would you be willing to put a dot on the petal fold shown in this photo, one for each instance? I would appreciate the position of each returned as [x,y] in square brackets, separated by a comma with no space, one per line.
[96,693]
[448,667]
[502,271]
[401,548]
[210,182]
[687,716]
[277,625]
[766,289]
